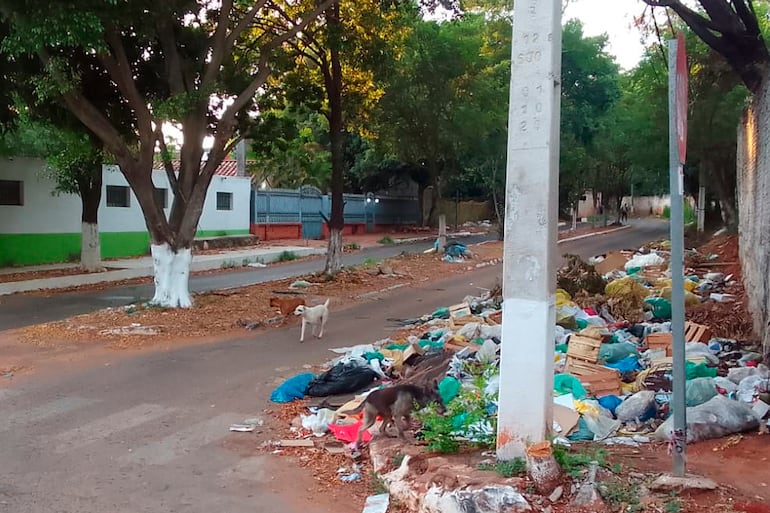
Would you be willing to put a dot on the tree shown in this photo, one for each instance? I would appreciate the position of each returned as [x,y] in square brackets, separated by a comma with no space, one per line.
[444,101]
[732,29]
[290,148]
[74,161]
[179,61]
[590,89]
[336,55]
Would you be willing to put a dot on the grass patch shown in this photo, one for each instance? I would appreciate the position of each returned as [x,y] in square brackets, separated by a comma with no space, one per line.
[377,484]
[386,240]
[397,460]
[351,246]
[673,504]
[620,493]
[515,467]
[369,262]
[573,463]
[688,213]
[287,256]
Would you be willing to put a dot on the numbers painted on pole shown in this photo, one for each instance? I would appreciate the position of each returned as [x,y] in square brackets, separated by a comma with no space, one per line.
[529,57]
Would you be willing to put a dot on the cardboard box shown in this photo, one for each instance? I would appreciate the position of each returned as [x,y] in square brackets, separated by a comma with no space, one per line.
[596,379]
[614,261]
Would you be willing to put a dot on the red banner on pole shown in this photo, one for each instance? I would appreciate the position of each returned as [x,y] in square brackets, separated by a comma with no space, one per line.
[681,97]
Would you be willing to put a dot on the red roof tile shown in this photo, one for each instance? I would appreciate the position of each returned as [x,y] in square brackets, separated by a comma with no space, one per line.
[226,168]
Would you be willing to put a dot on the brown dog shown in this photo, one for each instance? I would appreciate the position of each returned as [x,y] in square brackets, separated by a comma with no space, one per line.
[286,305]
[394,404]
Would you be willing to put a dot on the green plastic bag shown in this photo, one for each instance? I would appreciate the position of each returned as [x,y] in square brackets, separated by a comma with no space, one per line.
[661,307]
[448,389]
[569,384]
[374,355]
[582,434]
[613,353]
[699,370]
[441,313]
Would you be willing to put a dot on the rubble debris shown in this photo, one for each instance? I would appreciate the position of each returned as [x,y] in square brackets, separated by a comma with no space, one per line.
[669,483]
[576,276]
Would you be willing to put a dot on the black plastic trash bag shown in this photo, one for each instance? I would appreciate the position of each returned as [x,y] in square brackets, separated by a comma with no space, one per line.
[341,379]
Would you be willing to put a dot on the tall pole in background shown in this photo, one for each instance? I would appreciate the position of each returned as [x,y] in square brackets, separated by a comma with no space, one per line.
[677,139]
[529,250]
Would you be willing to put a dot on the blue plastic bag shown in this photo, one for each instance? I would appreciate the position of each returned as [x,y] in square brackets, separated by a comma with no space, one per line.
[610,402]
[292,388]
[628,364]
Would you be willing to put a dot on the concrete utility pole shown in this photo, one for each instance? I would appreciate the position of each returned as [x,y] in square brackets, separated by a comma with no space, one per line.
[529,275]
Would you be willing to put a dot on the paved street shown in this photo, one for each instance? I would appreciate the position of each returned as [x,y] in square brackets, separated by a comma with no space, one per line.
[25,309]
[148,432]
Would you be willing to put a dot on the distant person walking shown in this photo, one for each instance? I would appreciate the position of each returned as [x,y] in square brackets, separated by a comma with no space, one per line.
[624,214]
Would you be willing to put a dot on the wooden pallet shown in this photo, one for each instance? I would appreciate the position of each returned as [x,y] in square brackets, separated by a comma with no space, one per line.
[582,348]
[696,333]
[661,341]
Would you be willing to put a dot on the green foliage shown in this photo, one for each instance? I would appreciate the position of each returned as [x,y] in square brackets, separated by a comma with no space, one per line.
[573,463]
[673,504]
[466,418]
[618,492]
[351,246]
[290,148]
[514,467]
[387,240]
[688,213]
[376,484]
[287,256]
[369,262]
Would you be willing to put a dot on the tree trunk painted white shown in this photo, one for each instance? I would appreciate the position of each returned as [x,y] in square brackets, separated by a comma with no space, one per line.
[334,252]
[90,248]
[172,276]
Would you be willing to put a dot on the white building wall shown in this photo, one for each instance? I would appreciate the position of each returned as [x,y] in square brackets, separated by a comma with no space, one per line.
[42,212]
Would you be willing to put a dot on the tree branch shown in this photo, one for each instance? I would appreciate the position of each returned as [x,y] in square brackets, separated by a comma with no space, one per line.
[120,71]
[167,164]
[176,79]
[278,41]
[221,43]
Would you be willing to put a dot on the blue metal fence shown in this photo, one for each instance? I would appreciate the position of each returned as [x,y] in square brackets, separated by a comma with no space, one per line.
[306,205]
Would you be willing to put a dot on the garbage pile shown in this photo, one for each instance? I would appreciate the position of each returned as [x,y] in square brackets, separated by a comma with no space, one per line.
[612,361]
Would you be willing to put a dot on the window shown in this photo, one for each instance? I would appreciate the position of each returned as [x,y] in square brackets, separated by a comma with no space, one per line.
[224,201]
[161,196]
[118,196]
[11,192]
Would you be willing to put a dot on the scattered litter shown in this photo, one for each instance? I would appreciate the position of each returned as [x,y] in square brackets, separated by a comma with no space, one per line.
[133,329]
[257,264]
[300,284]
[377,503]
[296,443]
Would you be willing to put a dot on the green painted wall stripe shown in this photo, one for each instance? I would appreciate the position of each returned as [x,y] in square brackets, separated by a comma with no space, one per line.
[38,248]
[46,248]
[124,244]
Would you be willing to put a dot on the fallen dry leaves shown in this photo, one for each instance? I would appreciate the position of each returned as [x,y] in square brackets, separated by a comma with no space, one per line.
[221,312]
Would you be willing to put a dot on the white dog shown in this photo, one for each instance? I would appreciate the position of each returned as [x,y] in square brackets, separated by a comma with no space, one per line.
[313,315]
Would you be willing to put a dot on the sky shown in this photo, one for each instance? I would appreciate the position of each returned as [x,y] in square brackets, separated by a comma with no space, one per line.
[613,17]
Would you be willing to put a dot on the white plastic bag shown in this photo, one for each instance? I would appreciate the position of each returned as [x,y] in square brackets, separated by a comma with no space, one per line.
[738,374]
[637,406]
[717,417]
[645,261]
[470,331]
[319,422]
